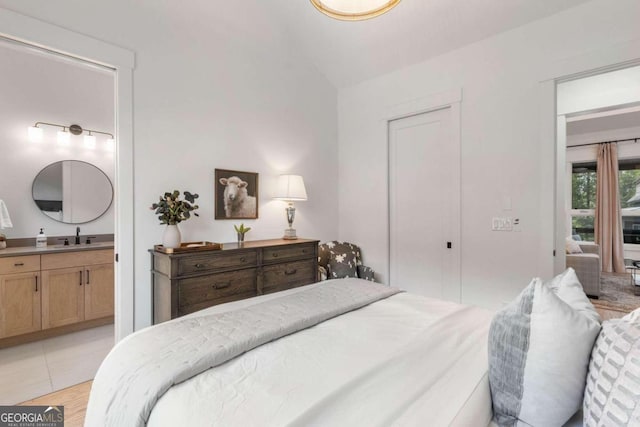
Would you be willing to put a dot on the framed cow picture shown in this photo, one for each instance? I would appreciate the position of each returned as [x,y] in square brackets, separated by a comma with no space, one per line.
[236,194]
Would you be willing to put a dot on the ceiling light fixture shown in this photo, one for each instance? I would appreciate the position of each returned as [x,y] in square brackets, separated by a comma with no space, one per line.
[354,10]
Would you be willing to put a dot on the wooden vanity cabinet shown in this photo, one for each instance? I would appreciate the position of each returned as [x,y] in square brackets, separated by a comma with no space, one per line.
[20,290]
[62,297]
[83,290]
[98,291]
[19,303]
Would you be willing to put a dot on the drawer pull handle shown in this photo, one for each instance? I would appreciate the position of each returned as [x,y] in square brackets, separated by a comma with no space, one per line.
[36,283]
[243,259]
[290,272]
[275,255]
[304,251]
[199,265]
[221,285]
[18,264]
[80,277]
[87,277]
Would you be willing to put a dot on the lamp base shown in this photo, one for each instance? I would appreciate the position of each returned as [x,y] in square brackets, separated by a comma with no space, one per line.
[290,234]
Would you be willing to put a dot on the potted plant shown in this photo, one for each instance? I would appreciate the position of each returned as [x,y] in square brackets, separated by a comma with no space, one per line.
[172,210]
[242,230]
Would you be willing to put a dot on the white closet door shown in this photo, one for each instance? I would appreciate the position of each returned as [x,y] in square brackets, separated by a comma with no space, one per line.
[424,203]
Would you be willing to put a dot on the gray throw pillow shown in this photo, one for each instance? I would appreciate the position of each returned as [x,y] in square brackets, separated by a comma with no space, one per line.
[612,395]
[539,349]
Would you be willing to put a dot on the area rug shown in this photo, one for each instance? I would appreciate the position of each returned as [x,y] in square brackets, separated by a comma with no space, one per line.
[617,293]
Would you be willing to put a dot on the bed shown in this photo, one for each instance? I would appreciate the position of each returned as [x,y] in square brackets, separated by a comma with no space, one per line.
[400,359]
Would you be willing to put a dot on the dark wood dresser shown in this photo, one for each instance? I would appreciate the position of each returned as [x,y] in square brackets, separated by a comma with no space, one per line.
[187,282]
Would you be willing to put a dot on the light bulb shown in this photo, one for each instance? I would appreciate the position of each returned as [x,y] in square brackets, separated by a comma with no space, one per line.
[90,141]
[64,137]
[35,134]
[110,144]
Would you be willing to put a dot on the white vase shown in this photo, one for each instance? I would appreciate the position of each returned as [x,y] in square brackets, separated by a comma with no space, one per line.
[171,237]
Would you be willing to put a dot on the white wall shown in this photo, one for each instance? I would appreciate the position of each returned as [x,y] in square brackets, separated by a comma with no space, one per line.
[36,88]
[214,87]
[500,150]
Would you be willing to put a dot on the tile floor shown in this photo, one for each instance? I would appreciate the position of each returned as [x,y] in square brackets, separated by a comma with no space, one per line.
[31,370]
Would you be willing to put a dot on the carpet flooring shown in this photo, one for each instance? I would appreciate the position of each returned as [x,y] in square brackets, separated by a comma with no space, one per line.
[617,293]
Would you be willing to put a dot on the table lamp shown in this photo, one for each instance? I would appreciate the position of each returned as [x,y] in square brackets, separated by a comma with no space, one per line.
[290,188]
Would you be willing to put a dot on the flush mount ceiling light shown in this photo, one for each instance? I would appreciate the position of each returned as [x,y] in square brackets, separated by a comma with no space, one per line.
[354,10]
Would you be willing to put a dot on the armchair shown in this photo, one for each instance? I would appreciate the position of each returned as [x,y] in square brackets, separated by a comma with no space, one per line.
[340,260]
[588,267]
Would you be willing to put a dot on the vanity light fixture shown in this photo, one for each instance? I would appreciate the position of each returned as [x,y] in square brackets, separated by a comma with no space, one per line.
[354,10]
[35,133]
[90,141]
[110,144]
[64,137]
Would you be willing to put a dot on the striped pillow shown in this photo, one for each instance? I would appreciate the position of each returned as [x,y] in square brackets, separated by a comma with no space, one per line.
[612,395]
[539,347]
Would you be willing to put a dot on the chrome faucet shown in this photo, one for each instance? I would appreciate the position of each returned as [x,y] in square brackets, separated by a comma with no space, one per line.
[77,235]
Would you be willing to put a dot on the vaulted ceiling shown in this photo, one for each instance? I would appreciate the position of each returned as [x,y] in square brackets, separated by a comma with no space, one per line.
[416,30]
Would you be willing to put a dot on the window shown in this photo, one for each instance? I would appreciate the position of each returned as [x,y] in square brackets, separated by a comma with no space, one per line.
[583,199]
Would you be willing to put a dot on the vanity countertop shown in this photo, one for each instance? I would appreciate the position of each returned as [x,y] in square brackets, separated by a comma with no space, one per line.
[30,250]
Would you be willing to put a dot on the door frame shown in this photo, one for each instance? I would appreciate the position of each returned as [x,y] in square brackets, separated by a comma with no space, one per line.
[451,100]
[58,40]
[552,144]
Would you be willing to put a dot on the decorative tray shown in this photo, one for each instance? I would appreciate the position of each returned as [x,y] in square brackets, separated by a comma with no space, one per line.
[189,247]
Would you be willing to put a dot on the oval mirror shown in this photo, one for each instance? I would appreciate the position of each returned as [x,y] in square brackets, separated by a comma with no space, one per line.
[72,191]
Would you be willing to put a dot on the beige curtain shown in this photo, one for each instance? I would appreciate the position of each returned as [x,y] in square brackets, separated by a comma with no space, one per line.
[608,223]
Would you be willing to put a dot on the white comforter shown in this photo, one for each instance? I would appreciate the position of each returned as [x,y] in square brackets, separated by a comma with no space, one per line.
[405,360]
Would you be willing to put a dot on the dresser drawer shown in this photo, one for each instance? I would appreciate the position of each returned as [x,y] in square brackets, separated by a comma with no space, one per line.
[200,292]
[288,275]
[216,262]
[19,264]
[281,253]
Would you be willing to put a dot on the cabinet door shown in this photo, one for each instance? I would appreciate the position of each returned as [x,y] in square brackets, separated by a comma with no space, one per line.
[98,291]
[19,304]
[62,297]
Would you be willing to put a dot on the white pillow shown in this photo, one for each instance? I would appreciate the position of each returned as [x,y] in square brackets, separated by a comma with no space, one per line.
[539,349]
[613,383]
[571,246]
[569,289]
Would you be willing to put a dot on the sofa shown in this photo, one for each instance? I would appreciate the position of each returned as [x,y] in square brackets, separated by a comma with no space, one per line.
[588,267]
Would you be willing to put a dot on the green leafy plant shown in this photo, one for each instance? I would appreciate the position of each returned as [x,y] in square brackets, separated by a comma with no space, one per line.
[242,229]
[172,210]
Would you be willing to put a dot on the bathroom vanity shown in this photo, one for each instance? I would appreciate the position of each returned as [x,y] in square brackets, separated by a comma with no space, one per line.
[54,290]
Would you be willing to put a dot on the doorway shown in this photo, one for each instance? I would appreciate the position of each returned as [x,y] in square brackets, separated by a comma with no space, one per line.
[424,202]
[57,303]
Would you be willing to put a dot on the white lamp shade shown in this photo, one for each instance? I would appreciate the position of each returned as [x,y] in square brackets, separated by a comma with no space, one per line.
[90,141]
[110,144]
[354,10]
[35,134]
[290,188]
[64,137]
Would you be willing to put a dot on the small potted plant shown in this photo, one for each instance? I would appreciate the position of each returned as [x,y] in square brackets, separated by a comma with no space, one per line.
[172,210]
[3,241]
[242,230]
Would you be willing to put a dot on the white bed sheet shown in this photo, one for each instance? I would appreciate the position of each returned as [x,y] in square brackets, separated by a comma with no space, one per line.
[406,360]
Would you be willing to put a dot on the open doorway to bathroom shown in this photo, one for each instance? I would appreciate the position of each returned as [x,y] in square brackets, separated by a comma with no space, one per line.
[599,124]
[57,301]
